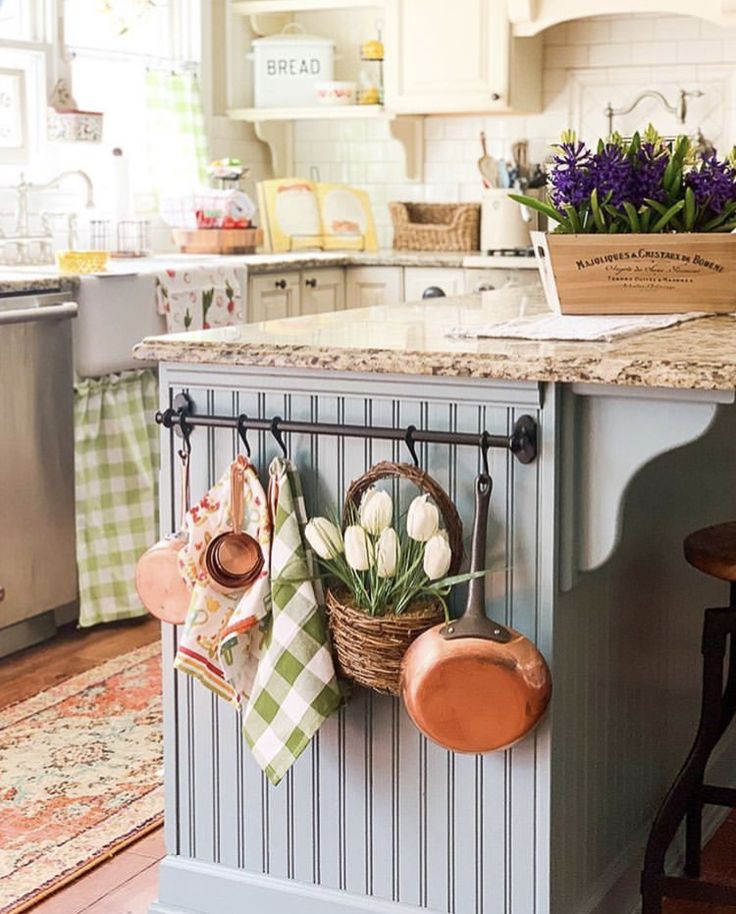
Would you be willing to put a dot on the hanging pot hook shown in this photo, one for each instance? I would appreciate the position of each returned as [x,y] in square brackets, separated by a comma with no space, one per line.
[484,447]
[186,434]
[243,432]
[276,432]
[410,443]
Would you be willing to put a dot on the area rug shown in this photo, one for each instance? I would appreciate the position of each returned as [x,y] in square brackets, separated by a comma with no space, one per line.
[80,775]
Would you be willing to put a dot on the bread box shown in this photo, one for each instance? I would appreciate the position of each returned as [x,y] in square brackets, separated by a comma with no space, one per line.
[289,66]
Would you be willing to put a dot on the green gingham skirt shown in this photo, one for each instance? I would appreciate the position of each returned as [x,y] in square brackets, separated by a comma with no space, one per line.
[116,471]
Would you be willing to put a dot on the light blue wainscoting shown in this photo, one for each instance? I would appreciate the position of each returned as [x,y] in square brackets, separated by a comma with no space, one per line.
[373,817]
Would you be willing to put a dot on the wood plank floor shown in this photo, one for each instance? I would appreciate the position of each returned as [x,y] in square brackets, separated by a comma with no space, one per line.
[128,883]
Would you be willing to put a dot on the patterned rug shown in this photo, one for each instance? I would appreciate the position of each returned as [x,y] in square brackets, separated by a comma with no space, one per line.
[80,775]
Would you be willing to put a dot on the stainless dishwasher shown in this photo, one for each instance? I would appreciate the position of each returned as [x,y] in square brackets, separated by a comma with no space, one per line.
[37,529]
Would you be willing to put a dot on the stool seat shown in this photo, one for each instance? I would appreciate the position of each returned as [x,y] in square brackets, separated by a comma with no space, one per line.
[712,550]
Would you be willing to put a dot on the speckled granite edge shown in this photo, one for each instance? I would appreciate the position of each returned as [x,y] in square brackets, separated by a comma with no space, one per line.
[608,368]
[13,285]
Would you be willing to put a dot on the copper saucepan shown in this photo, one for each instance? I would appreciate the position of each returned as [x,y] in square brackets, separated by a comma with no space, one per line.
[472,684]
[161,588]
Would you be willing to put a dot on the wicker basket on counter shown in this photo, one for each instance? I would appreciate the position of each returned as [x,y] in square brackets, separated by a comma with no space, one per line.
[369,649]
[436,226]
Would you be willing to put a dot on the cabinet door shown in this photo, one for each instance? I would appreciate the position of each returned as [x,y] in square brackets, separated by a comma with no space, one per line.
[370,286]
[418,279]
[445,58]
[272,296]
[322,290]
[480,280]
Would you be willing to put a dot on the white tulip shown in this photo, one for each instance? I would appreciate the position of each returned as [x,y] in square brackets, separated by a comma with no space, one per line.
[422,519]
[324,537]
[376,511]
[387,553]
[437,557]
[357,548]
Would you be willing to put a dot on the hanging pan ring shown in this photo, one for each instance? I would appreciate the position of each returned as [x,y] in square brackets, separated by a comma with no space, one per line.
[186,434]
[243,432]
[411,444]
[485,445]
[276,432]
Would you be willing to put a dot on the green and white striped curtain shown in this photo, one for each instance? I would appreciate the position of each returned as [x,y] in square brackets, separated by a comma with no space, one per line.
[177,142]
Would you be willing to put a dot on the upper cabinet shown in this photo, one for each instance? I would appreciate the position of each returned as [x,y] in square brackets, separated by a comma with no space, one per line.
[529,17]
[459,58]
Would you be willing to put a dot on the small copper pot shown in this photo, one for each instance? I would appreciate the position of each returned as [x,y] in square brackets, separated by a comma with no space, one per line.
[472,684]
[234,559]
[158,580]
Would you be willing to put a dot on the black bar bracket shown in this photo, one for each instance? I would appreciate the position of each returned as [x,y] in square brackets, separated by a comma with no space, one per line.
[522,442]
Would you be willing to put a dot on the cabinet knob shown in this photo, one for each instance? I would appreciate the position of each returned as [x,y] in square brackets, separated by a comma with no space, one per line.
[312,283]
[280,283]
[433,292]
[495,97]
[2,593]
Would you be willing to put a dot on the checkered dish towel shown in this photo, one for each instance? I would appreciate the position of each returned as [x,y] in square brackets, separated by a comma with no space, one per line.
[222,639]
[295,688]
[116,447]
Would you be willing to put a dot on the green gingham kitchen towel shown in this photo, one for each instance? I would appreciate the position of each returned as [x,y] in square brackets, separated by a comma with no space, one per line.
[116,470]
[295,688]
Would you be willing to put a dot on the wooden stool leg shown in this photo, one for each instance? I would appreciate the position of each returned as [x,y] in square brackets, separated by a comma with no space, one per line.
[651,902]
[693,837]
[689,782]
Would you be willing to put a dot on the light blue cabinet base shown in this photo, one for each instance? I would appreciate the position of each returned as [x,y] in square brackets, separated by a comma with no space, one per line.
[586,544]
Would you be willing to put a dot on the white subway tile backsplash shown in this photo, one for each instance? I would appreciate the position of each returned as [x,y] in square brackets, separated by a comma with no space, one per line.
[605,57]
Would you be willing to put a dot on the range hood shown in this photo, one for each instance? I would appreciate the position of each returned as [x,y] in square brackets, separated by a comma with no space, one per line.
[532,16]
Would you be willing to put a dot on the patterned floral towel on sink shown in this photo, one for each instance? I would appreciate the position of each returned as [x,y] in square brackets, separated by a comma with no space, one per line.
[200,297]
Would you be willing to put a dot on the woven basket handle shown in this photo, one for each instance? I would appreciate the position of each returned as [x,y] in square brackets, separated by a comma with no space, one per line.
[424,482]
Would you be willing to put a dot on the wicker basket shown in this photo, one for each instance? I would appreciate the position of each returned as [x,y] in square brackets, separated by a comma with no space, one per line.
[436,226]
[369,648]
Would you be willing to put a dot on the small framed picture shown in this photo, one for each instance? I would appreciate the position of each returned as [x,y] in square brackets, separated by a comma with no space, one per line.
[14,144]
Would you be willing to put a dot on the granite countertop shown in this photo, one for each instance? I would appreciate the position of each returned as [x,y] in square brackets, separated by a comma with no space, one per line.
[410,339]
[16,282]
[17,279]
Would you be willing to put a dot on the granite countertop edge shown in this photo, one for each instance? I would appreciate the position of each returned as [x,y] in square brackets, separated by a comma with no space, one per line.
[609,369]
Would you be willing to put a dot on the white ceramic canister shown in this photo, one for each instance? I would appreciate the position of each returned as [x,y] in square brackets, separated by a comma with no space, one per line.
[288,67]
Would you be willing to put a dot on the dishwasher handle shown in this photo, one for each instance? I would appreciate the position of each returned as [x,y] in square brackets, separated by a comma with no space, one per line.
[49,313]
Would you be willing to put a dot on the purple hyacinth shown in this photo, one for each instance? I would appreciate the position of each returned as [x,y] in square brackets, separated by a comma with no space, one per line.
[570,181]
[713,183]
[612,173]
[649,172]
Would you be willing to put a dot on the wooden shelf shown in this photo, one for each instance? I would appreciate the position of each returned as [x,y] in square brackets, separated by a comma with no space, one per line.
[260,7]
[326,113]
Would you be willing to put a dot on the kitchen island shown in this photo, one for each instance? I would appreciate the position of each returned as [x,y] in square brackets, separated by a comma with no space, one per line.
[636,446]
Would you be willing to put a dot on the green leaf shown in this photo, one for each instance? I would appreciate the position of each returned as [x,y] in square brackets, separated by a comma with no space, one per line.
[635,144]
[719,219]
[596,210]
[665,219]
[646,217]
[633,217]
[689,209]
[656,205]
[539,205]
[573,218]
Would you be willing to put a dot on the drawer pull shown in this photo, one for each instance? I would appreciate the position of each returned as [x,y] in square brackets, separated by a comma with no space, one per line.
[2,593]
[312,283]
[495,97]
[280,283]
[484,287]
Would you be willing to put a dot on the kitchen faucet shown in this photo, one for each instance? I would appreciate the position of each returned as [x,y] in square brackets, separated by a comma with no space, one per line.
[23,237]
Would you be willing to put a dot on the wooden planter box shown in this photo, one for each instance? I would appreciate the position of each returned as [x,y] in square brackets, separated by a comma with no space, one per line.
[218,241]
[637,274]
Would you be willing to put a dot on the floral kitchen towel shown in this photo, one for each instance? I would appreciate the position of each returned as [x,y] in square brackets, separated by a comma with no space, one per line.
[200,297]
[295,688]
[222,637]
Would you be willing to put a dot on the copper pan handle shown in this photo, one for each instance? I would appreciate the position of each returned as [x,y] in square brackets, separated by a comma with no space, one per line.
[237,482]
[474,623]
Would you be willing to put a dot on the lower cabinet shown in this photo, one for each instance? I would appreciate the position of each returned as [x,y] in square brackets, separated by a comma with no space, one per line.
[322,290]
[272,296]
[367,287]
[418,279]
